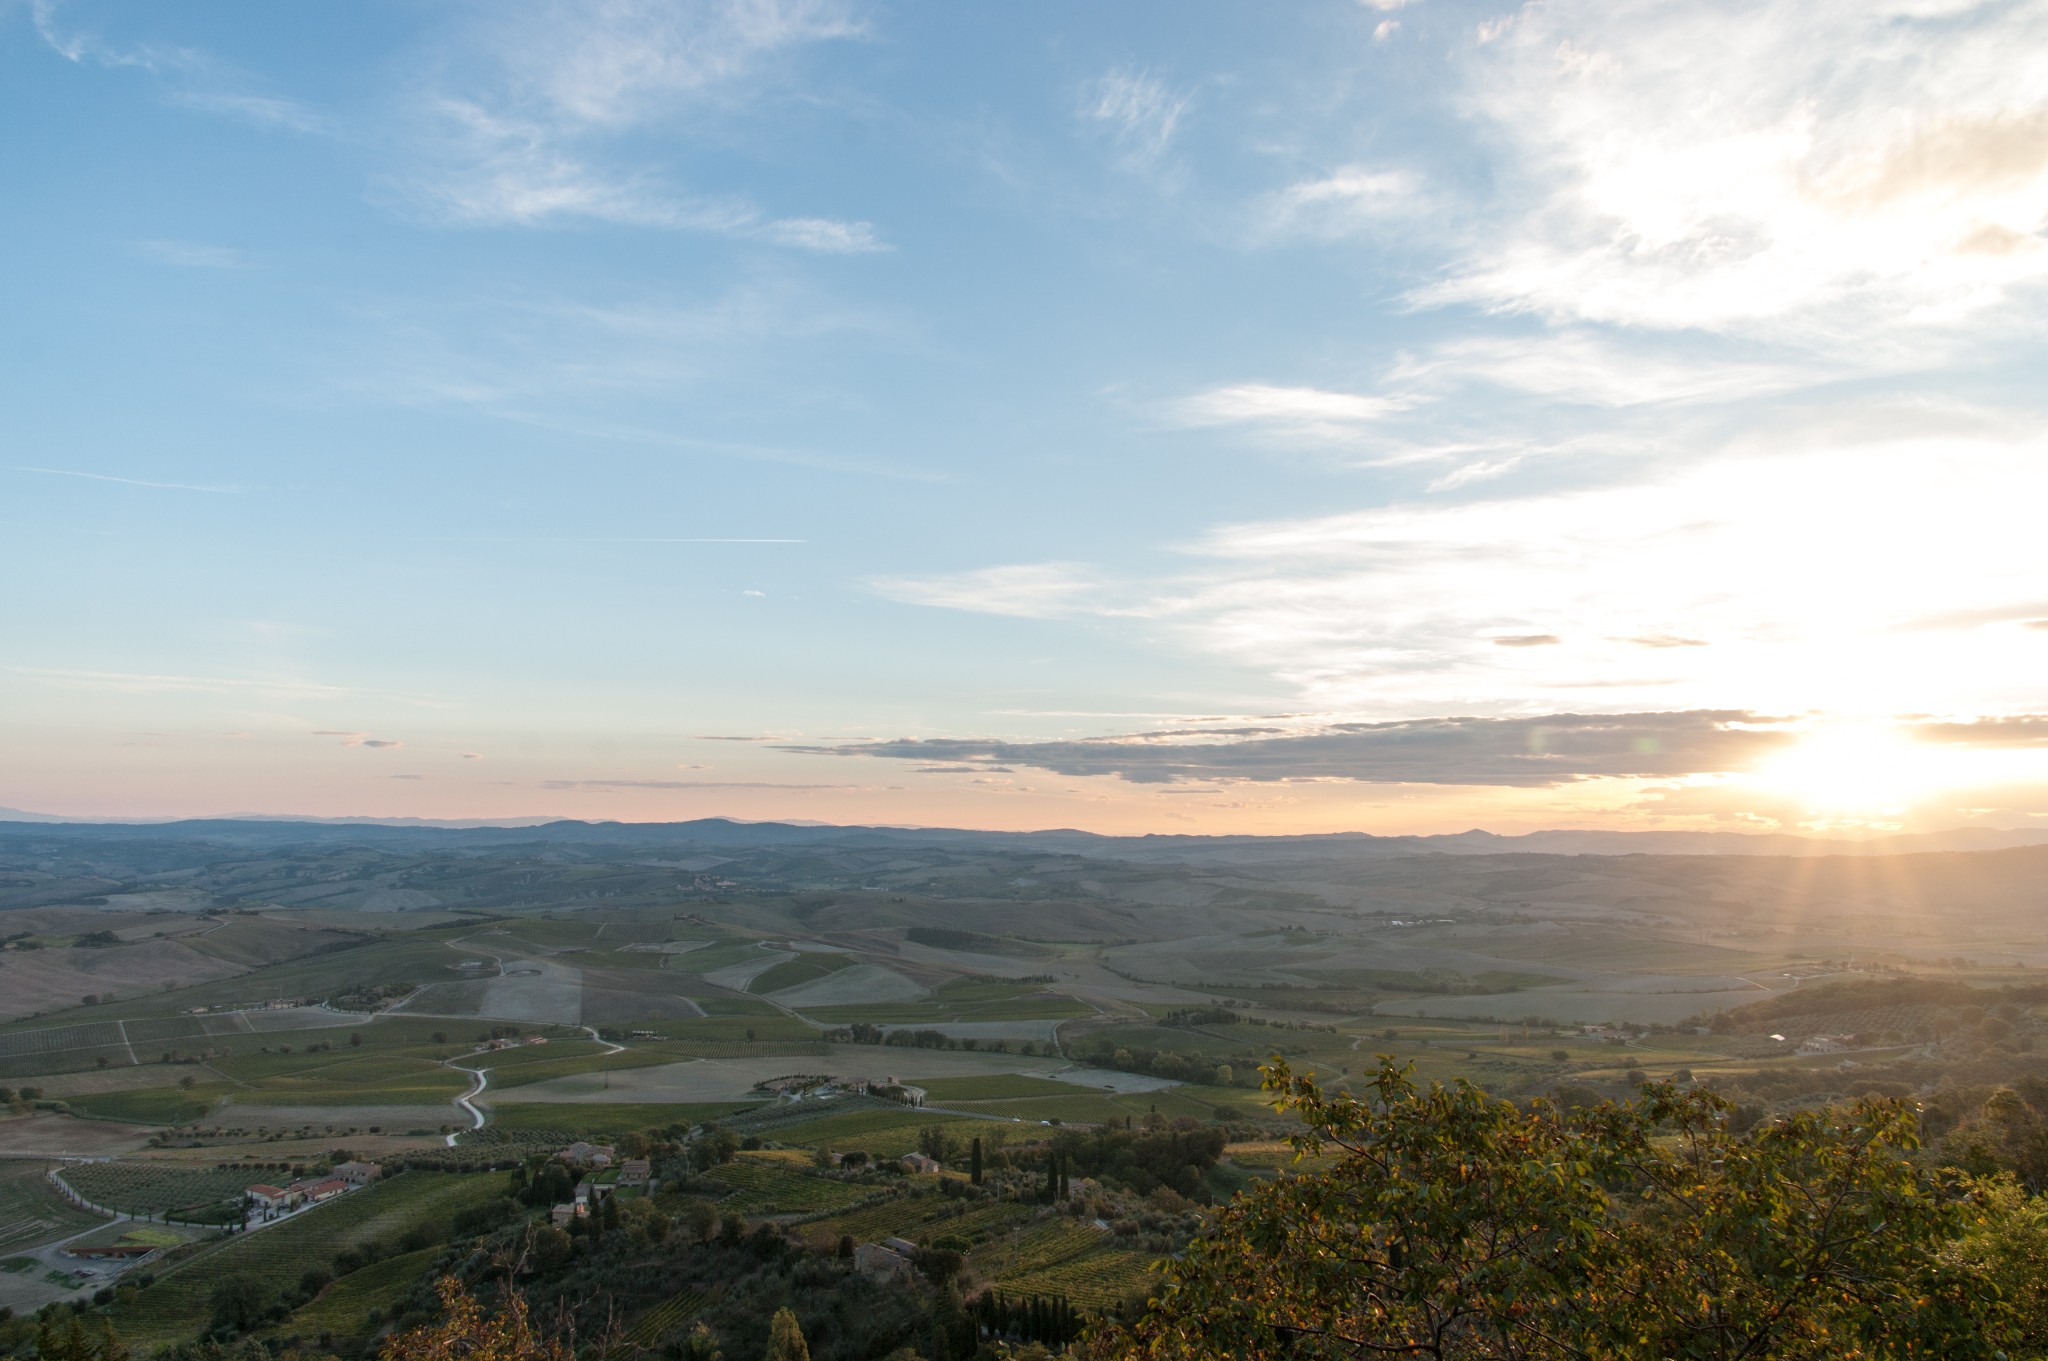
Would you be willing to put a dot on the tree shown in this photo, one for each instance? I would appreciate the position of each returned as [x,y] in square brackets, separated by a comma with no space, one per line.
[974,1161]
[464,1333]
[1453,1225]
[237,1304]
[786,1338]
[2006,1135]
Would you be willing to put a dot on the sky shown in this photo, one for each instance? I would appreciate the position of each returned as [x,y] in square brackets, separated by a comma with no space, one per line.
[1387,417]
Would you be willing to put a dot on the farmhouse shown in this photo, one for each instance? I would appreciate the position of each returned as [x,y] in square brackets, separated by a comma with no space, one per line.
[316,1191]
[872,1259]
[1825,1044]
[918,1162]
[357,1173]
[635,1172]
[266,1197]
[564,1215]
[581,1154]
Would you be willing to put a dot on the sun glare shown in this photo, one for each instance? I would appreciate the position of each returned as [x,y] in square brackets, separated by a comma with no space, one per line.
[1857,769]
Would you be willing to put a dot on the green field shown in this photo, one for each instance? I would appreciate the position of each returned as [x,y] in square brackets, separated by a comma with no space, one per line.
[963,999]
[805,968]
[31,1210]
[167,1105]
[766,1185]
[606,1119]
[343,1308]
[411,1203]
[889,1132]
[342,1078]
[994,1087]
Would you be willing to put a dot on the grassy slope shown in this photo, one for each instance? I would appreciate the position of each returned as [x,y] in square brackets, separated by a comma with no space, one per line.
[177,1305]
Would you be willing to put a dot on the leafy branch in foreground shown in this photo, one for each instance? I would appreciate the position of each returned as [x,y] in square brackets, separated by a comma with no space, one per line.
[1454,1225]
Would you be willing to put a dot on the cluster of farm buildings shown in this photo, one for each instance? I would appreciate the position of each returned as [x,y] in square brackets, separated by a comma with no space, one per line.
[274,1200]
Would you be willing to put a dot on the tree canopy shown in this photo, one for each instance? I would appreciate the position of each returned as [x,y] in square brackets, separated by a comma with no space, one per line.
[1434,1221]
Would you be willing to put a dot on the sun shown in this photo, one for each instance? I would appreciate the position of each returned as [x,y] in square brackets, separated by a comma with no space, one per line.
[1848,769]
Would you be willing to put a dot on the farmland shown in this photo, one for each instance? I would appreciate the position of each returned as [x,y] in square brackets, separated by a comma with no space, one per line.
[1035,990]
[412,1205]
[31,1210]
[156,1188]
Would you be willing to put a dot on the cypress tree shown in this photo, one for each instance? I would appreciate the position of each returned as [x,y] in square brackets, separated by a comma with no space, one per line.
[974,1161]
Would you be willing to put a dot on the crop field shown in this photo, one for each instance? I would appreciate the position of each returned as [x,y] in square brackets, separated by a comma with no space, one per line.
[756,1185]
[963,999]
[920,1217]
[177,1305]
[664,1318]
[993,1087]
[343,1308]
[152,1188]
[606,1119]
[1034,1248]
[31,1210]
[166,1105]
[887,1131]
[1096,1279]
[342,1080]
[805,968]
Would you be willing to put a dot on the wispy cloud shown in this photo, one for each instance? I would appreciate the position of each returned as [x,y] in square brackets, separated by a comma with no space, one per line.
[126,481]
[523,121]
[143,682]
[1343,202]
[586,786]
[1029,591]
[194,254]
[192,78]
[1140,111]
[359,739]
[1300,412]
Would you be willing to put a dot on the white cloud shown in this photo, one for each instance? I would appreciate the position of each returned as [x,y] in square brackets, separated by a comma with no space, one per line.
[1029,590]
[1801,166]
[824,235]
[1786,575]
[1597,368]
[1311,413]
[1341,203]
[1141,111]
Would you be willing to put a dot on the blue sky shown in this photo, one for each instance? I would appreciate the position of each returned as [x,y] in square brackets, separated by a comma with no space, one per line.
[1381,416]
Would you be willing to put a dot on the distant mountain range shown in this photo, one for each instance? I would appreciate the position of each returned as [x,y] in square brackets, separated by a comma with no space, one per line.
[268,830]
